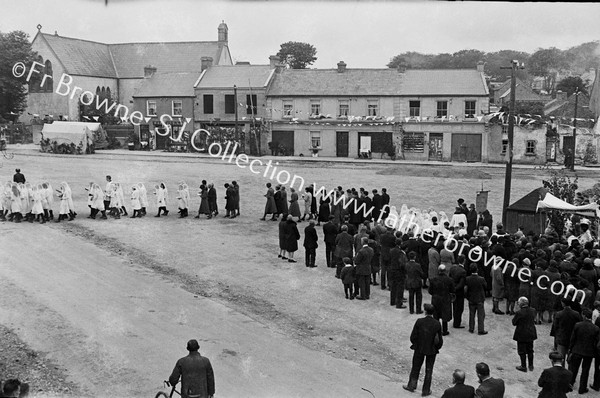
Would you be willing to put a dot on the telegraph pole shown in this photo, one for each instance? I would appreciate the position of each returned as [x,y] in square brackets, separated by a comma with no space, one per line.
[235,101]
[511,128]
[574,145]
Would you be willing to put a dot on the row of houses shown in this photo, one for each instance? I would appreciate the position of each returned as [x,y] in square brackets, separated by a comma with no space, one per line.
[268,109]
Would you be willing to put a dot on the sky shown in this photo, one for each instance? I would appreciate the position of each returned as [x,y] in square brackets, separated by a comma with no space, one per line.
[364,34]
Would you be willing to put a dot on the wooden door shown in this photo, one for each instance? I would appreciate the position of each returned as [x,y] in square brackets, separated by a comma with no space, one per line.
[466,147]
[436,146]
[341,144]
[284,140]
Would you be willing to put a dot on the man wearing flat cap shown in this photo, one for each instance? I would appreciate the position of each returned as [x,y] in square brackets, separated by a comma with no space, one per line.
[196,372]
[556,380]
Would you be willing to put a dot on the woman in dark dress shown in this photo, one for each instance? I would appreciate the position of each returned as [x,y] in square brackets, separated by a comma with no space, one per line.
[291,235]
[294,208]
[324,211]
[270,206]
[203,201]
[313,204]
[511,285]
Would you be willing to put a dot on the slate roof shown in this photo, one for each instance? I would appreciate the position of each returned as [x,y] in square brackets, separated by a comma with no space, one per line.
[82,57]
[352,82]
[242,76]
[378,82]
[562,108]
[168,85]
[444,82]
[127,60]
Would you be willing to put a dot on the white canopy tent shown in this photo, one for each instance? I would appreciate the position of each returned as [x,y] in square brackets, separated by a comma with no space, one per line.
[69,132]
[551,202]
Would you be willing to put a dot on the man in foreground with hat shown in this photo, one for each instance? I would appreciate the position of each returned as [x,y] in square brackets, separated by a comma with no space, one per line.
[196,372]
[556,380]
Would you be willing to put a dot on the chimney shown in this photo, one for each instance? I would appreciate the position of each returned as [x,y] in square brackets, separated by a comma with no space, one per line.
[274,60]
[206,62]
[223,33]
[149,71]
[561,95]
[480,66]
[341,67]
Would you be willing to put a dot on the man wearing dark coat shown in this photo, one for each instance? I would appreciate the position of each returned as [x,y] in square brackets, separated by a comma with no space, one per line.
[458,274]
[441,288]
[426,339]
[385,201]
[562,327]
[525,333]
[582,348]
[397,275]
[229,201]
[471,220]
[362,269]
[556,380]
[278,201]
[489,387]
[377,202]
[460,389]
[344,247]
[387,241]
[196,372]
[310,244]
[330,232]
[414,281]
[368,205]
[475,295]
[18,177]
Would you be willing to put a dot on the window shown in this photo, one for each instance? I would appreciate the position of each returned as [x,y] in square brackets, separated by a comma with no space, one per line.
[315,107]
[470,109]
[251,104]
[530,148]
[288,109]
[177,108]
[414,108]
[108,96]
[315,139]
[442,108]
[505,129]
[229,103]
[344,108]
[207,100]
[35,82]
[504,146]
[413,142]
[151,108]
[48,72]
[372,107]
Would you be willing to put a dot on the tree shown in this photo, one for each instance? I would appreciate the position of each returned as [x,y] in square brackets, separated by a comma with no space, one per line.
[14,47]
[297,55]
[570,84]
[548,63]
[411,60]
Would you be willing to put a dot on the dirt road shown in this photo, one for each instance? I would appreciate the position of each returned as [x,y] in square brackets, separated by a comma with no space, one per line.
[119,327]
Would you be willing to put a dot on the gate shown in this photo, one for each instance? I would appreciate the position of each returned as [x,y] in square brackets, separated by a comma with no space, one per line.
[466,147]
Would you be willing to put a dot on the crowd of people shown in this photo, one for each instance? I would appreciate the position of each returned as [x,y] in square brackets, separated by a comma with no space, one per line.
[362,248]
[24,201]
[367,251]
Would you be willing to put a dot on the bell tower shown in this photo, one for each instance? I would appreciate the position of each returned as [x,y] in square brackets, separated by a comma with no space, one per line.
[223,33]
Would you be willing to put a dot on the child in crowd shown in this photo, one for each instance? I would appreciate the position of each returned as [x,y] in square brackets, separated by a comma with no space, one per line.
[347,277]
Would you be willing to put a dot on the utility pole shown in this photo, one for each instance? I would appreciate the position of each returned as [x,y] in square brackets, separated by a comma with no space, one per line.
[235,101]
[574,145]
[511,128]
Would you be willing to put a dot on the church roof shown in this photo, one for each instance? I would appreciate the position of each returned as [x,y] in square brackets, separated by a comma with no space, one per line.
[127,60]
